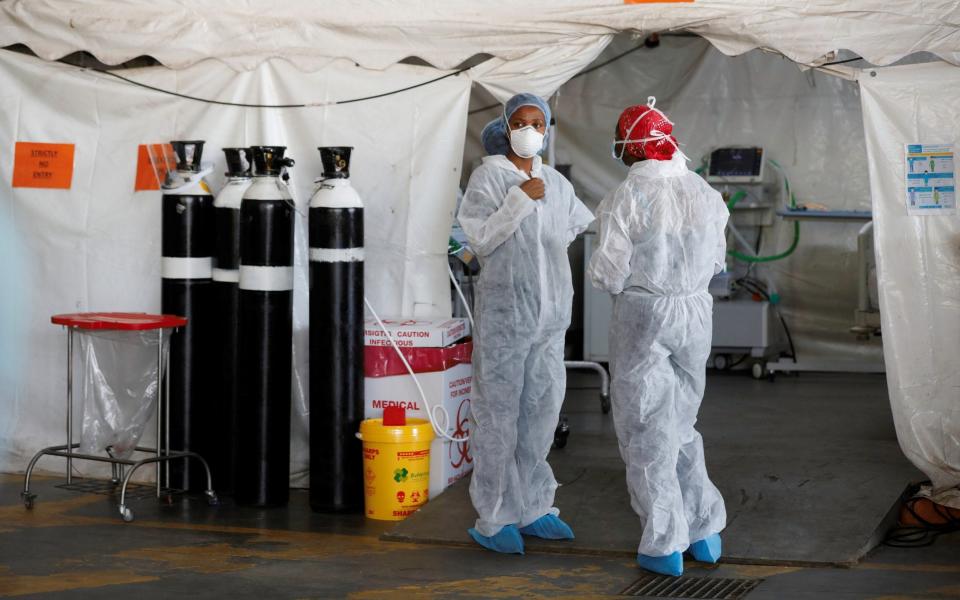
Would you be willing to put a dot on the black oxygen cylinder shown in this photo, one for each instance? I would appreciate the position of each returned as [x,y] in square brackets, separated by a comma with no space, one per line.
[266,332]
[226,291]
[187,290]
[336,338]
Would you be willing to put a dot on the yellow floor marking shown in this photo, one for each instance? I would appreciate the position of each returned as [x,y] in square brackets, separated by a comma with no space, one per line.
[584,583]
[205,558]
[760,570]
[902,568]
[226,557]
[54,513]
[278,544]
[220,557]
[281,534]
[19,585]
[949,591]
[36,477]
[559,573]
[51,513]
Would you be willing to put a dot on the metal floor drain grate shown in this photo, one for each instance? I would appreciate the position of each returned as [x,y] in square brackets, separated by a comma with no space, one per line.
[662,586]
[135,491]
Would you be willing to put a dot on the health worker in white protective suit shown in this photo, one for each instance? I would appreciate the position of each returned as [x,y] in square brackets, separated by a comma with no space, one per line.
[661,241]
[520,216]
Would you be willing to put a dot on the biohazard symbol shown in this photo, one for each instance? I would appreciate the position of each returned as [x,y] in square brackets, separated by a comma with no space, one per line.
[415,497]
[400,474]
[461,455]
[370,475]
[401,496]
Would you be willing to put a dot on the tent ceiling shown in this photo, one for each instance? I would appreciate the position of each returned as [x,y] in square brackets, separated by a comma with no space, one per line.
[379,33]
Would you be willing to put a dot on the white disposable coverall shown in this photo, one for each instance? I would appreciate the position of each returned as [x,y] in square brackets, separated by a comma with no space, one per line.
[524,300]
[661,241]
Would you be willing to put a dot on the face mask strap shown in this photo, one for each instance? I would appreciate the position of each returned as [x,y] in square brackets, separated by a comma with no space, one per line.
[506,120]
[509,131]
[655,134]
[651,103]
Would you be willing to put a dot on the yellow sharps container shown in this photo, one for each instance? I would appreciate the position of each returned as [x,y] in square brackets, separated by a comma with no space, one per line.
[396,467]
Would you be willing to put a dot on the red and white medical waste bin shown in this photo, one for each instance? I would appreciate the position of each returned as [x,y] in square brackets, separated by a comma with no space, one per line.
[439,352]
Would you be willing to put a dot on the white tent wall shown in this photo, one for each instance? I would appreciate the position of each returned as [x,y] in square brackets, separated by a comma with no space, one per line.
[810,122]
[96,246]
[918,261]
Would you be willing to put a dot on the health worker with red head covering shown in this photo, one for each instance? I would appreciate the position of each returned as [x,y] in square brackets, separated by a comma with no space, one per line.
[661,241]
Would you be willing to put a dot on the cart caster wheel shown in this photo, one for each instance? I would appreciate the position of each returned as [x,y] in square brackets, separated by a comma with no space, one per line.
[212,498]
[561,434]
[126,514]
[759,371]
[28,500]
[721,362]
[605,403]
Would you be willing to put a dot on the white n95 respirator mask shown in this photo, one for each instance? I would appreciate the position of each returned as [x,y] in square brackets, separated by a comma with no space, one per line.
[526,142]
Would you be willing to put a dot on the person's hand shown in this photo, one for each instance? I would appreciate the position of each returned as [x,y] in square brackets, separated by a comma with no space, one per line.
[534,188]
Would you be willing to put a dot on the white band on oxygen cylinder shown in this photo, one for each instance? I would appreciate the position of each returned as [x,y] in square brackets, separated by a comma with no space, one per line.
[177,267]
[330,255]
[266,279]
[226,275]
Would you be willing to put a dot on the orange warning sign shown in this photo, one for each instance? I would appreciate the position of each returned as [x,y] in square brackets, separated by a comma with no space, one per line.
[37,165]
[153,163]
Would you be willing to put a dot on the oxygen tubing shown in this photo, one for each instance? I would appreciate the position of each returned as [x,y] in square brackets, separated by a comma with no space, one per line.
[740,195]
[775,257]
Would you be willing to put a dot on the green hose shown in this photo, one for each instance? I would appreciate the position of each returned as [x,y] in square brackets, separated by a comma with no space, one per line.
[453,246]
[736,197]
[775,257]
[740,195]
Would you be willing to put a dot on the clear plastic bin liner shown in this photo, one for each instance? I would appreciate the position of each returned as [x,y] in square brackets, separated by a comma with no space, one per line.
[118,389]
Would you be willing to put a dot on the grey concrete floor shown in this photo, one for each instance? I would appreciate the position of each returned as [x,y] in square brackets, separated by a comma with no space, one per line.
[74,546]
[809,468]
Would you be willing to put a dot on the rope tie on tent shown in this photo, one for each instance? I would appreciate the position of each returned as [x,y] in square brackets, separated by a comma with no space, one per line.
[301,105]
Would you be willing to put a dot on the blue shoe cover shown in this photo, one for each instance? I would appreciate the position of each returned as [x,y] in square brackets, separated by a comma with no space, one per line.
[548,527]
[507,540]
[671,564]
[707,550]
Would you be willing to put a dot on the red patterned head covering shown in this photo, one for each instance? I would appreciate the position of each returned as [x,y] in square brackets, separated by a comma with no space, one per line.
[646,132]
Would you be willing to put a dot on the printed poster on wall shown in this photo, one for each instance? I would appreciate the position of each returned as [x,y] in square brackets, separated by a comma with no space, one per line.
[931,179]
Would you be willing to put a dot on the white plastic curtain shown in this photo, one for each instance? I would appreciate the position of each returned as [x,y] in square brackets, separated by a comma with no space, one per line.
[96,246]
[918,261]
